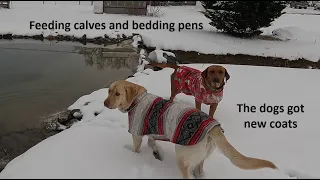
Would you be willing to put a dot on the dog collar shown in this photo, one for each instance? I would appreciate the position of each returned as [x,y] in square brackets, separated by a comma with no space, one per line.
[136,101]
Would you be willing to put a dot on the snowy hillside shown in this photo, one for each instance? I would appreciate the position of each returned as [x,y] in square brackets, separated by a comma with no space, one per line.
[99,146]
[303,30]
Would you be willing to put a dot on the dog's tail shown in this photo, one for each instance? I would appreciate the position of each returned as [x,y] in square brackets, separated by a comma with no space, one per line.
[235,156]
[164,65]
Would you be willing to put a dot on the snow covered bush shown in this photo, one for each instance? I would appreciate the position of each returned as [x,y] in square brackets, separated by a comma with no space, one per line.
[242,18]
[161,56]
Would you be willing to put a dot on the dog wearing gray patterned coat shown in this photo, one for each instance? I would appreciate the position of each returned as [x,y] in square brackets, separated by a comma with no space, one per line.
[194,133]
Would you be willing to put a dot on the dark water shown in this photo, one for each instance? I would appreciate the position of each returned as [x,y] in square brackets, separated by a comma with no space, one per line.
[37,79]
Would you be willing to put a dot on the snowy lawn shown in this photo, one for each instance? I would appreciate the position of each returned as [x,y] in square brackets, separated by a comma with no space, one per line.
[309,10]
[98,146]
[305,28]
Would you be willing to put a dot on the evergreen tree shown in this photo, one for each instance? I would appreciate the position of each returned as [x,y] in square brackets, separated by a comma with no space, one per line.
[242,18]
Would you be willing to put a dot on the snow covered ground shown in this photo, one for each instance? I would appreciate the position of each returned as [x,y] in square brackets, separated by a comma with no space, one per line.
[98,146]
[309,10]
[17,21]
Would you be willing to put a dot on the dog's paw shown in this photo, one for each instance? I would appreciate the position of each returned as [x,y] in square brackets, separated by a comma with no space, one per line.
[198,175]
[156,155]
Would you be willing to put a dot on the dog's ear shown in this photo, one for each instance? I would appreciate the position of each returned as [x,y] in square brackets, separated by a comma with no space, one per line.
[131,92]
[204,73]
[227,75]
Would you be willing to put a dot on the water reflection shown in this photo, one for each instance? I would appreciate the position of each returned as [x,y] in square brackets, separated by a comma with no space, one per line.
[97,57]
[110,57]
[38,78]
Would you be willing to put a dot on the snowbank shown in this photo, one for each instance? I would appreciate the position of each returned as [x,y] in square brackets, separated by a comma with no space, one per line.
[309,10]
[98,146]
[294,33]
[206,40]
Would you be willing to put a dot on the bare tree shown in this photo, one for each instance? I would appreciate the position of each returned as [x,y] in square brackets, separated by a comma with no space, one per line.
[154,11]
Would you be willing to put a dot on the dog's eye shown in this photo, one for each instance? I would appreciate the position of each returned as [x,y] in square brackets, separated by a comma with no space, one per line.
[220,72]
[117,94]
[212,71]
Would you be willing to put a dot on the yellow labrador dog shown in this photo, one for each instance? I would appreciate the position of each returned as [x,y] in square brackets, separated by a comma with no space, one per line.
[195,133]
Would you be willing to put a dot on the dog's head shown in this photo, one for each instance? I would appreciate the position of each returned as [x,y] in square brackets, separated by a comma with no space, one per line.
[121,94]
[215,75]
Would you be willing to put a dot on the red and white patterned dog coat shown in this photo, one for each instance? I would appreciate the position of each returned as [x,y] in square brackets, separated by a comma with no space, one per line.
[190,82]
[163,120]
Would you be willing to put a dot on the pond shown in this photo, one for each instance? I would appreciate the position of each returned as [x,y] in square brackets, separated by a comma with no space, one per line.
[40,78]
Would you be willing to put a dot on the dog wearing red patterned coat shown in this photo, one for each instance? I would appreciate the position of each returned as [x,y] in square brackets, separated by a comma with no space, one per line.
[206,86]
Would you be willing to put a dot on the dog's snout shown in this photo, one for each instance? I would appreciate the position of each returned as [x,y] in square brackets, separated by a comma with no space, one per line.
[106,103]
[216,80]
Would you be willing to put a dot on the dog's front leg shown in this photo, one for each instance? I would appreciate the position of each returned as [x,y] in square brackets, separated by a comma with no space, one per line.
[213,108]
[174,90]
[137,140]
[183,167]
[198,104]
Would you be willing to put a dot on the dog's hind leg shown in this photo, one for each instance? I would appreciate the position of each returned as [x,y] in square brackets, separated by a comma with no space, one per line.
[198,170]
[152,144]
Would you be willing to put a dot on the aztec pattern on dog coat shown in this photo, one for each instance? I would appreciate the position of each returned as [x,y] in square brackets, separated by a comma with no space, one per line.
[189,81]
[169,121]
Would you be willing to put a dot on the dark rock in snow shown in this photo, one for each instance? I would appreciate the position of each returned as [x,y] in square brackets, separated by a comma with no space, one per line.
[75,113]
[71,122]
